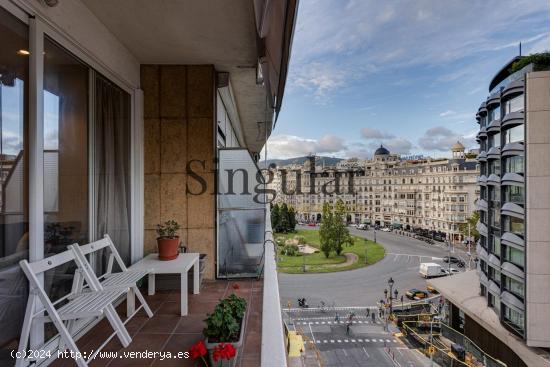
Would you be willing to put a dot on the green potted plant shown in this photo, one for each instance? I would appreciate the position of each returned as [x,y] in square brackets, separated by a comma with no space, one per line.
[225,326]
[168,240]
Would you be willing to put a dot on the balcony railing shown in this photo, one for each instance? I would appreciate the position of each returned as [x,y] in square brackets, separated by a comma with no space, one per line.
[273,352]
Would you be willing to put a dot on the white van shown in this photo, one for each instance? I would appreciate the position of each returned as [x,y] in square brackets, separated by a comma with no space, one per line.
[431,270]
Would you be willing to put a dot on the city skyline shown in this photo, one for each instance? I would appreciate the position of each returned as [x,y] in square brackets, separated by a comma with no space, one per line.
[408,76]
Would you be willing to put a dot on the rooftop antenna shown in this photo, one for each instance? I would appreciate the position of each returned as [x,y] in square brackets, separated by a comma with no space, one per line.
[520,49]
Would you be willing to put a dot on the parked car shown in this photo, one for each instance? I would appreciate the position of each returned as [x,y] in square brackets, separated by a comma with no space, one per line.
[451,259]
[311,224]
[432,290]
[363,226]
[386,229]
[416,294]
[450,271]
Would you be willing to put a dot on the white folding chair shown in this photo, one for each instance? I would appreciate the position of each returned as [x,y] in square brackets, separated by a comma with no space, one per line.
[77,305]
[125,278]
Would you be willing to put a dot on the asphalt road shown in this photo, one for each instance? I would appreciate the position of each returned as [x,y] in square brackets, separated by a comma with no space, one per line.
[365,286]
[366,343]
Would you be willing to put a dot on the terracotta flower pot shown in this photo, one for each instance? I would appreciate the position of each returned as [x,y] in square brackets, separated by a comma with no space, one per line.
[168,248]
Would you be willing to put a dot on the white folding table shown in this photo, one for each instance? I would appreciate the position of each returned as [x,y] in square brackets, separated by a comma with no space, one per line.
[180,265]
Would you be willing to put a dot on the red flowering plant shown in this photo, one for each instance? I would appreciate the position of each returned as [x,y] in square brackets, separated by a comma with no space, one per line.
[236,286]
[223,351]
[198,350]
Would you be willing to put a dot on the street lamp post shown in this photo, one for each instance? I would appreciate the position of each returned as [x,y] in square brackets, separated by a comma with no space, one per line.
[391,283]
[374,235]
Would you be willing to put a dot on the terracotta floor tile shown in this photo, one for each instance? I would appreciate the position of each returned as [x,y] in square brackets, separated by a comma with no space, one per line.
[170,308]
[193,323]
[197,306]
[168,331]
[160,324]
[254,361]
[252,343]
[182,342]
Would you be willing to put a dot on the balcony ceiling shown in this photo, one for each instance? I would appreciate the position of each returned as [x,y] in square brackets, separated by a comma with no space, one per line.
[218,32]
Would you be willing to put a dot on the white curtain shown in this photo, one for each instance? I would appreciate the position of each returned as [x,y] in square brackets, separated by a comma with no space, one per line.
[112,165]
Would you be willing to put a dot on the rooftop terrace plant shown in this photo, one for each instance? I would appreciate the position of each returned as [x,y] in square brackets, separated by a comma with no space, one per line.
[540,60]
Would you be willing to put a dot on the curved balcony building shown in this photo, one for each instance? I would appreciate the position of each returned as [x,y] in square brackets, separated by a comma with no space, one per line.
[514,218]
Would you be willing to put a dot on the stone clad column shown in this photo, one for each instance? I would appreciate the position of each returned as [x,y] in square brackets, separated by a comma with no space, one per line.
[179,123]
[537,176]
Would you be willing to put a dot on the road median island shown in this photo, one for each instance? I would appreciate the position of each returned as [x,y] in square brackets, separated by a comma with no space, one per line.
[351,257]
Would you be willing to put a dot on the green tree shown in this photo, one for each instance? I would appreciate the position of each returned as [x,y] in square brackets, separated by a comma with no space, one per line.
[340,231]
[472,221]
[291,219]
[325,231]
[285,226]
[275,218]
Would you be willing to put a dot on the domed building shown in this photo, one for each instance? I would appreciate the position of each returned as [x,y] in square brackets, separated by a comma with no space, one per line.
[381,154]
[381,151]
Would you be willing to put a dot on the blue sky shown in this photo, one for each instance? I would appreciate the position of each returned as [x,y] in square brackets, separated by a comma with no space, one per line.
[406,74]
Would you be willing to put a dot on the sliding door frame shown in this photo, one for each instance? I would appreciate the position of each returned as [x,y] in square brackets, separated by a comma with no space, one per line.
[39,28]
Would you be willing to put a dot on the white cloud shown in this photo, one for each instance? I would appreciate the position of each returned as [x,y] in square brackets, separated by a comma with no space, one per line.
[336,43]
[447,113]
[369,133]
[319,79]
[441,139]
[540,46]
[290,146]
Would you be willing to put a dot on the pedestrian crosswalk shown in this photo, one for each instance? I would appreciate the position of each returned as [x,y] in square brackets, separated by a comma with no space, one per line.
[336,322]
[358,340]
[328,317]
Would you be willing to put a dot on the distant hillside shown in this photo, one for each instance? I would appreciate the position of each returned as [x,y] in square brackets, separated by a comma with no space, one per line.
[328,161]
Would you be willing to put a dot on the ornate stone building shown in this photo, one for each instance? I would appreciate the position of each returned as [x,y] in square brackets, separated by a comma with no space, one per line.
[434,195]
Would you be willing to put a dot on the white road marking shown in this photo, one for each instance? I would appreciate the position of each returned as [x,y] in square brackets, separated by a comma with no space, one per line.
[364,350]
[367,340]
[332,341]
[381,340]
[353,340]
[339,341]
[313,336]
[360,340]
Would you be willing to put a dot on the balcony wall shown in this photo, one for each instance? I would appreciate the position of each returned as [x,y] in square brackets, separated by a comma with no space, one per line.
[179,119]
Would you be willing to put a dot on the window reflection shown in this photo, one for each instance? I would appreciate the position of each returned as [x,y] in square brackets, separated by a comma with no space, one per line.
[14,243]
[65,160]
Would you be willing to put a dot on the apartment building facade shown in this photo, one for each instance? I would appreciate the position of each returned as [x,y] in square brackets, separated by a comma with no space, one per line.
[512,301]
[434,195]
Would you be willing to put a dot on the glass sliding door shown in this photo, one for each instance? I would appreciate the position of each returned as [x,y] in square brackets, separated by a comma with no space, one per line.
[112,165]
[65,160]
[14,239]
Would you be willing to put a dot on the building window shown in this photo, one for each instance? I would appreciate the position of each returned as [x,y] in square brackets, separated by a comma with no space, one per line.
[514,225]
[514,256]
[495,245]
[514,104]
[513,164]
[513,317]
[494,167]
[514,134]
[514,194]
[494,140]
[494,113]
[514,286]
